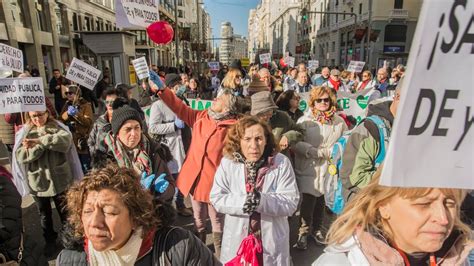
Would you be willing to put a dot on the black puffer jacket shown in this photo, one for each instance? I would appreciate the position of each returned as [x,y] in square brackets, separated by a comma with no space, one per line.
[11,225]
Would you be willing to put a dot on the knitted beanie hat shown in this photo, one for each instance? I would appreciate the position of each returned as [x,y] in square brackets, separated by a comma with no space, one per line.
[172,79]
[121,115]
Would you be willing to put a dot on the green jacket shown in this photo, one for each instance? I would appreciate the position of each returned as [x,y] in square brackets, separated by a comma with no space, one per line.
[283,125]
[47,168]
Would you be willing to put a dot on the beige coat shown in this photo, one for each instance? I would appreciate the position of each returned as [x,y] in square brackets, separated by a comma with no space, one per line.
[310,172]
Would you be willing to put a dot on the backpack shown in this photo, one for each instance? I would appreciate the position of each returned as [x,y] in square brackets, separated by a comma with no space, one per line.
[333,188]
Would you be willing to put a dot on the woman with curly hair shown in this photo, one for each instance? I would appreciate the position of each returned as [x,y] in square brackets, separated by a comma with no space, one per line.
[255,188]
[399,226]
[121,225]
[323,127]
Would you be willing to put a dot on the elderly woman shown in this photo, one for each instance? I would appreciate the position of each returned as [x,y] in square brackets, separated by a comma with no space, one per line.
[255,188]
[323,128]
[366,82]
[399,226]
[118,224]
[209,129]
[129,146]
[43,155]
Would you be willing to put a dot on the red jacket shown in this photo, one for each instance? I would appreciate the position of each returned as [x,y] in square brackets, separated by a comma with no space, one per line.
[205,152]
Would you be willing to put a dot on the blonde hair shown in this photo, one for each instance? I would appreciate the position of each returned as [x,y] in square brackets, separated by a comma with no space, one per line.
[228,81]
[317,92]
[362,211]
[345,74]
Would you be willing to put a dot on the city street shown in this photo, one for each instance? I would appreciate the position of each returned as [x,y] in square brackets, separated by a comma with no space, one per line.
[33,229]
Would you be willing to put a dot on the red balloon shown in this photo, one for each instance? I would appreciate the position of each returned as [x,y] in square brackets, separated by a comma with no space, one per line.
[282,62]
[160,32]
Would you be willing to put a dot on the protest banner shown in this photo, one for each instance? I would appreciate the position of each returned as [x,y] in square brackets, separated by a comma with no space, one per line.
[432,139]
[11,58]
[141,67]
[356,66]
[132,14]
[354,104]
[265,58]
[22,95]
[290,61]
[195,104]
[313,64]
[213,65]
[83,73]
[245,62]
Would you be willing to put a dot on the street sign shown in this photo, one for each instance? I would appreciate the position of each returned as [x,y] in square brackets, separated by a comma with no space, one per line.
[83,73]
[432,139]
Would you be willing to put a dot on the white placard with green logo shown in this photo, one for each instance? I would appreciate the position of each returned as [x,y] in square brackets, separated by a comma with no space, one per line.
[354,104]
[195,104]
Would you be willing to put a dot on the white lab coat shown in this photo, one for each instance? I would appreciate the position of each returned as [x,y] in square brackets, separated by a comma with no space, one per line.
[279,199]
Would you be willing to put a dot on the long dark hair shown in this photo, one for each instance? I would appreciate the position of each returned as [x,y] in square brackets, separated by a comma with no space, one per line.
[283,101]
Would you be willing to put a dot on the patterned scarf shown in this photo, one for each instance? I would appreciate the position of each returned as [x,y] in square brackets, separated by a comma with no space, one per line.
[253,182]
[324,117]
[140,160]
[335,84]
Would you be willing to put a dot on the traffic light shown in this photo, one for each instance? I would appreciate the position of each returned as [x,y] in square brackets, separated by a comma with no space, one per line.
[304,14]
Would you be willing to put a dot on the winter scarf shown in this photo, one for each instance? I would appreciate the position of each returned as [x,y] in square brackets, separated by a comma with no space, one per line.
[140,160]
[335,84]
[324,117]
[220,116]
[126,255]
[364,84]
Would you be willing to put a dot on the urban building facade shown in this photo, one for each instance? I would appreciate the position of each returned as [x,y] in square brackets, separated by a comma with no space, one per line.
[226,48]
[240,47]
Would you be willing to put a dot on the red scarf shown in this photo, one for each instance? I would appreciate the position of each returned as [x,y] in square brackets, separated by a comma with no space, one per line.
[363,84]
[335,84]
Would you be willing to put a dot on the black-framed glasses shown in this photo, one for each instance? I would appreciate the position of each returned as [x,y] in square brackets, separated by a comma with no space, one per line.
[320,100]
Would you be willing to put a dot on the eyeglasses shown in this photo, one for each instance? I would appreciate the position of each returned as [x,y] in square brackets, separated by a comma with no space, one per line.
[320,100]
[70,93]
[38,115]
[109,102]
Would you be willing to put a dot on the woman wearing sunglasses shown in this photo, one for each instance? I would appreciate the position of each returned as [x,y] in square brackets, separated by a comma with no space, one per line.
[323,127]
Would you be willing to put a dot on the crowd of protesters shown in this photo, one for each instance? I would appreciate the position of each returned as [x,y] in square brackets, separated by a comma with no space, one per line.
[118,175]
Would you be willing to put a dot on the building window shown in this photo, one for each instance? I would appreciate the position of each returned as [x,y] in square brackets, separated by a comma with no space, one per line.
[74,22]
[333,47]
[88,23]
[180,14]
[360,8]
[395,33]
[180,3]
[398,4]
[18,12]
[41,16]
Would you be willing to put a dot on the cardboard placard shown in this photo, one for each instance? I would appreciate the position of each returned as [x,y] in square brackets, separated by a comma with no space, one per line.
[313,64]
[432,139]
[83,73]
[265,58]
[22,95]
[11,58]
[141,67]
[132,14]
[356,66]
[290,61]
[213,65]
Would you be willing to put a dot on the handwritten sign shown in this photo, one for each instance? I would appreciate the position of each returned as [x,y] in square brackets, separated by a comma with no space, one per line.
[290,61]
[22,95]
[11,58]
[213,65]
[435,114]
[83,73]
[265,58]
[135,14]
[141,67]
[356,66]
[313,64]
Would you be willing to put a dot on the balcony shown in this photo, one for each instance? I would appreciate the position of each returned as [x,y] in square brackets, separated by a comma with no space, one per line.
[401,14]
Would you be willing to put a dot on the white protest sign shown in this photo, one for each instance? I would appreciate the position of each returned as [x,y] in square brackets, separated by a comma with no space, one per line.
[313,64]
[290,61]
[356,66]
[265,58]
[83,73]
[432,138]
[11,58]
[22,95]
[133,14]
[213,65]
[141,67]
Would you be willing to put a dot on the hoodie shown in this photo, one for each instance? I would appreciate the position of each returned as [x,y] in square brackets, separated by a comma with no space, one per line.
[362,148]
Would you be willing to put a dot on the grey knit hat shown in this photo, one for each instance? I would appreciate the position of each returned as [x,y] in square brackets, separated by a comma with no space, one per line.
[262,102]
[121,115]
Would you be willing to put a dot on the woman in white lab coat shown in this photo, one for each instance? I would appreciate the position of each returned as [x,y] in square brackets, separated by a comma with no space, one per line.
[255,188]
